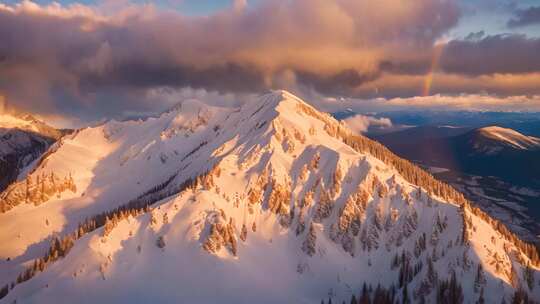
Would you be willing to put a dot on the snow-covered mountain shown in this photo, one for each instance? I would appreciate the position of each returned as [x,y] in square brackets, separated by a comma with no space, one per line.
[273,202]
[23,139]
[493,139]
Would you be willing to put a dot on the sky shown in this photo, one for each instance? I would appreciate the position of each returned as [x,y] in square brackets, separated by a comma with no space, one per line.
[75,62]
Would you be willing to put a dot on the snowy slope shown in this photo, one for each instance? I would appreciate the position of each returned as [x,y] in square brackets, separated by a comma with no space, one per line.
[281,206]
[109,164]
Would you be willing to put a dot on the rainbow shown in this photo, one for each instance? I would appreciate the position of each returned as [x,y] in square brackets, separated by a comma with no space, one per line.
[428,81]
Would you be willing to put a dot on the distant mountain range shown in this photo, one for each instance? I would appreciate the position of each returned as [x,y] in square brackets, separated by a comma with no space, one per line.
[523,122]
[487,151]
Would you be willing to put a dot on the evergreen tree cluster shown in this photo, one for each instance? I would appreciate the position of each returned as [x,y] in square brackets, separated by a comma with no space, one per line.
[450,292]
[35,190]
[221,235]
[349,221]
[521,297]
[279,200]
[407,271]
[368,295]
[480,278]
[324,206]
[309,244]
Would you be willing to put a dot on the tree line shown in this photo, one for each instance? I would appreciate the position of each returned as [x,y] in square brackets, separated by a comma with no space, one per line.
[36,190]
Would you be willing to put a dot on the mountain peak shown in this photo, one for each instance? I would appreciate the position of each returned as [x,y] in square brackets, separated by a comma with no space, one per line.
[497,129]
[14,121]
[283,105]
[283,97]
[28,123]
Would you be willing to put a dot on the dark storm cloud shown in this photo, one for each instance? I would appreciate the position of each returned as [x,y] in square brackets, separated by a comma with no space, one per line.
[335,84]
[503,54]
[416,66]
[224,77]
[524,17]
[70,58]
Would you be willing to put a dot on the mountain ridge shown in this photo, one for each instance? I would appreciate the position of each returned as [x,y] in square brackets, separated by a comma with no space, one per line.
[304,188]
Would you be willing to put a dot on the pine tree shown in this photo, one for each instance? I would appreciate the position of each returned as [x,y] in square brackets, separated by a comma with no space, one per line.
[160,242]
[153,220]
[429,280]
[520,297]
[450,292]
[395,262]
[405,295]
[528,274]
[310,242]
[108,227]
[364,298]
[481,299]
[480,279]
[243,233]
[4,291]
[42,190]
[231,237]
[28,187]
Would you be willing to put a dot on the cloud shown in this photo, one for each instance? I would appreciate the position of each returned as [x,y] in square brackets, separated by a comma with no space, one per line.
[361,123]
[175,96]
[107,60]
[525,17]
[399,85]
[465,102]
[96,61]
[505,53]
